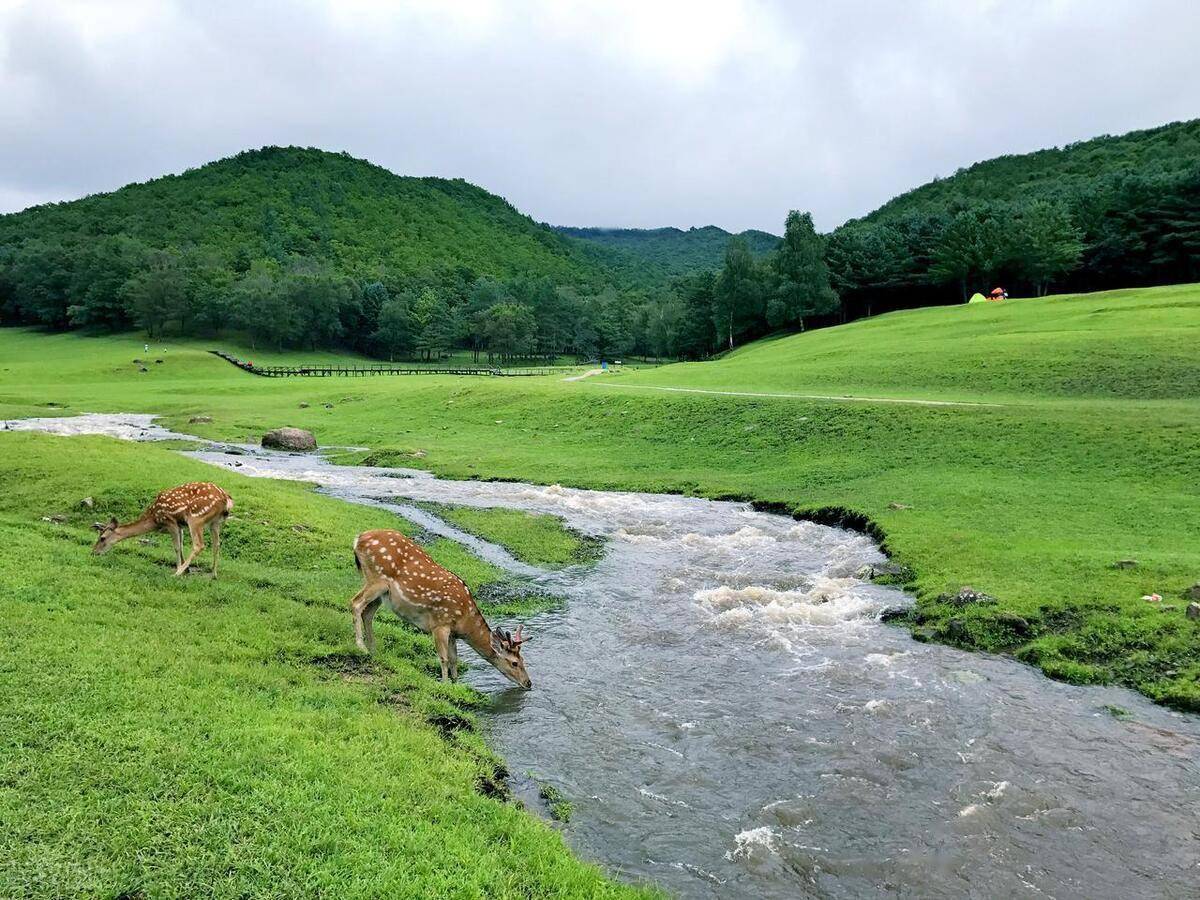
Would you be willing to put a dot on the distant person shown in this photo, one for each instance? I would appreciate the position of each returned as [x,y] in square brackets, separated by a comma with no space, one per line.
[999,294]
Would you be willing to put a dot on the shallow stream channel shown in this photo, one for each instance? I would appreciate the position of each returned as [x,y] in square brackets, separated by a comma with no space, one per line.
[727,716]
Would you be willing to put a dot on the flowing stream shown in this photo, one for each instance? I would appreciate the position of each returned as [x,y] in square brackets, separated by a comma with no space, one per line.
[728,717]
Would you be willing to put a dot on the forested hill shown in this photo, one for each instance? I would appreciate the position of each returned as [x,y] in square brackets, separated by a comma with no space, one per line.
[1112,212]
[665,253]
[1058,174]
[288,202]
[301,247]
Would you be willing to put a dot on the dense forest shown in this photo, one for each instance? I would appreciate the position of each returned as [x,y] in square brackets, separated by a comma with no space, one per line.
[304,248]
[660,254]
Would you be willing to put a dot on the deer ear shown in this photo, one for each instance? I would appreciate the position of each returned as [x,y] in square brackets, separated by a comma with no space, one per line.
[112,523]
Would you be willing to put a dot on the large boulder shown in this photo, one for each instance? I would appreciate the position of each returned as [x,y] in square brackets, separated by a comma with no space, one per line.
[294,439]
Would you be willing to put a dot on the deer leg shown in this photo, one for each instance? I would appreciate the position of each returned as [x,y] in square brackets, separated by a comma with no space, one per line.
[367,617]
[215,530]
[453,647]
[441,640]
[368,598]
[197,531]
[177,540]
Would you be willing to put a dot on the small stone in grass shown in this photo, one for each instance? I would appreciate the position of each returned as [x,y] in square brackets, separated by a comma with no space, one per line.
[1193,611]
[1125,564]
[199,420]
[899,506]
[967,596]
[87,502]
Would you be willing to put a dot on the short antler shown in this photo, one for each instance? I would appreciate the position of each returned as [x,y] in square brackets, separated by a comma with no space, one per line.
[517,640]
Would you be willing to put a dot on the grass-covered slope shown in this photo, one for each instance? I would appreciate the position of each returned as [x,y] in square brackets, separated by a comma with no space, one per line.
[1060,174]
[1130,345]
[1078,446]
[665,253]
[288,201]
[189,737]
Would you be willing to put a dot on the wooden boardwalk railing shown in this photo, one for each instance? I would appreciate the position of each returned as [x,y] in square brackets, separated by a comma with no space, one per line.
[327,371]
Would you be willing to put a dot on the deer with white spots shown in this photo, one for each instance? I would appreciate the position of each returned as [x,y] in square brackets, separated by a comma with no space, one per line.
[193,506]
[431,598]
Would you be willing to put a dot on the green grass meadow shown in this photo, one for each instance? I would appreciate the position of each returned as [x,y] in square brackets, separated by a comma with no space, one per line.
[190,736]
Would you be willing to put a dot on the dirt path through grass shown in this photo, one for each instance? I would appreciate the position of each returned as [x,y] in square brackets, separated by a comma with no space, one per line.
[681,390]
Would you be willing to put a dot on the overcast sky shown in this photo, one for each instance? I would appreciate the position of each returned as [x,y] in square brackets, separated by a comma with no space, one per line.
[625,113]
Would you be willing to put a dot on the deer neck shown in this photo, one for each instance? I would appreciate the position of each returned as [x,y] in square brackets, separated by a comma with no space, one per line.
[477,633]
[143,525]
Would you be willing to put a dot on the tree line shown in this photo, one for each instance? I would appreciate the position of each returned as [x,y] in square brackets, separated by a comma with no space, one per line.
[117,282]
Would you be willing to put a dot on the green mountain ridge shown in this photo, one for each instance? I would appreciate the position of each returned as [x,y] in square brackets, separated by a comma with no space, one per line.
[278,202]
[1107,213]
[1057,174]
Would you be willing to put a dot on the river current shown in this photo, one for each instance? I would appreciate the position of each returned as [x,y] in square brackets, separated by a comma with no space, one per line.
[729,718]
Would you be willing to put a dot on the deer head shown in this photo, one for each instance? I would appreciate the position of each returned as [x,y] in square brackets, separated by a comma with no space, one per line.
[507,658]
[108,536]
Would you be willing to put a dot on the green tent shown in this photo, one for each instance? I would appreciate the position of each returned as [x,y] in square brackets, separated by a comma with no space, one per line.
[977,298]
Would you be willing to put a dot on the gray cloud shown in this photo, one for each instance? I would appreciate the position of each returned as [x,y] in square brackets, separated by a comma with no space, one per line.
[607,113]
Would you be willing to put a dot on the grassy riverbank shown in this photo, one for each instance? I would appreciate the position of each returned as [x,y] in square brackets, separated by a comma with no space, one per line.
[540,540]
[176,737]
[1076,444]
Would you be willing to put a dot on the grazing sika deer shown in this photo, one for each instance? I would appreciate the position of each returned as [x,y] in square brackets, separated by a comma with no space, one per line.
[195,505]
[431,598]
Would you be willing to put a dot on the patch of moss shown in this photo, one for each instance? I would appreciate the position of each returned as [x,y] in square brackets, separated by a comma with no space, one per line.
[560,807]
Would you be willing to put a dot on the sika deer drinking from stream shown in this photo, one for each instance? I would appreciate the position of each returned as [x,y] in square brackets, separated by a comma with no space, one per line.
[431,598]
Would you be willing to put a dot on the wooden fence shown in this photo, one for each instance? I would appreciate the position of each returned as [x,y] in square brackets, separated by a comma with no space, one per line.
[328,371]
